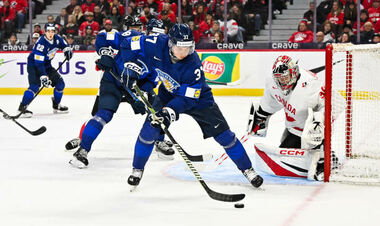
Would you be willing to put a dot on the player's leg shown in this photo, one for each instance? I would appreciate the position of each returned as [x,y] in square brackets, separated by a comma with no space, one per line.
[217,127]
[164,148]
[34,84]
[74,143]
[109,100]
[59,86]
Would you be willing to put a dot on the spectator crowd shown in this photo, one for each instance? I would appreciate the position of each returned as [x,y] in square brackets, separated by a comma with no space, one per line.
[81,20]
[337,23]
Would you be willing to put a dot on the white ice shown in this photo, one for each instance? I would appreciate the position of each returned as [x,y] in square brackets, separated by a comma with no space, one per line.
[39,187]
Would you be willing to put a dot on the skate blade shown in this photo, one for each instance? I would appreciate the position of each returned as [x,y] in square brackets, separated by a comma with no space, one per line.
[25,116]
[77,164]
[164,157]
[60,112]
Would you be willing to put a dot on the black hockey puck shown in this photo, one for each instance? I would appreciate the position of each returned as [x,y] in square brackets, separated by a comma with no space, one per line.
[239,205]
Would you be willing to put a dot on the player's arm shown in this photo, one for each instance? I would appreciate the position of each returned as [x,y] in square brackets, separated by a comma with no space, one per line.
[65,47]
[105,51]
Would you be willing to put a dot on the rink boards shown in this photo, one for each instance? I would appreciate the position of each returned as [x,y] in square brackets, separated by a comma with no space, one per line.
[246,68]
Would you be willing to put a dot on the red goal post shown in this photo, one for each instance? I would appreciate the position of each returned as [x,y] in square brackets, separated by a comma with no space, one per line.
[352,113]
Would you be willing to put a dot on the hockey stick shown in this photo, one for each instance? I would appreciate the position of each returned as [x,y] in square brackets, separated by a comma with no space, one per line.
[235,83]
[213,194]
[321,68]
[34,133]
[193,158]
[35,95]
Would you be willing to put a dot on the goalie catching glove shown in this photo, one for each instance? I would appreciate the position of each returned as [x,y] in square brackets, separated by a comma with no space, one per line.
[313,132]
[258,122]
[165,116]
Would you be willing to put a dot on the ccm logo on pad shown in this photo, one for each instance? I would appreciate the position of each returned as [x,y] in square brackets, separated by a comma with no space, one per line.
[292,152]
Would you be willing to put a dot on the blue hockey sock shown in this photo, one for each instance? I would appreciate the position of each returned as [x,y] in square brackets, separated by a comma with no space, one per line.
[234,149]
[144,145]
[29,94]
[58,91]
[161,138]
[94,127]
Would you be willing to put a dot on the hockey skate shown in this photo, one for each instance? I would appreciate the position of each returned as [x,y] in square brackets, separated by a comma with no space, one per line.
[134,178]
[58,108]
[80,159]
[164,149]
[255,179]
[74,143]
[25,113]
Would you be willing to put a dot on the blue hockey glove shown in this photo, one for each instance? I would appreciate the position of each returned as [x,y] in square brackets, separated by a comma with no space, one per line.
[68,53]
[165,116]
[105,63]
[45,81]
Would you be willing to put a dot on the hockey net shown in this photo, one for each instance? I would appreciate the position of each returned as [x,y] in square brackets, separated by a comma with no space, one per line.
[352,133]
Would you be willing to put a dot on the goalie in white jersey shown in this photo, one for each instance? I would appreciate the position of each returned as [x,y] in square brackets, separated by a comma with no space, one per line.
[301,94]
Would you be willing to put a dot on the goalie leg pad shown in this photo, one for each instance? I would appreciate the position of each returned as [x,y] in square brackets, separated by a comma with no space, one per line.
[94,127]
[234,149]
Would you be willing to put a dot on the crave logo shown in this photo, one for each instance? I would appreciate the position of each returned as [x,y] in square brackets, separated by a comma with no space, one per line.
[213,67]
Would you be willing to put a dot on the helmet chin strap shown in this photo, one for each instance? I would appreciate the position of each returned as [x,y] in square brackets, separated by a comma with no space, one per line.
[173,58]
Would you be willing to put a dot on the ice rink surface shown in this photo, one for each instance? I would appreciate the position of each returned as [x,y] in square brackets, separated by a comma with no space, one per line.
[38,186]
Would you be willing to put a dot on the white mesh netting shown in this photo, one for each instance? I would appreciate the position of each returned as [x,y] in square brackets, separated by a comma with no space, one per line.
[355,138]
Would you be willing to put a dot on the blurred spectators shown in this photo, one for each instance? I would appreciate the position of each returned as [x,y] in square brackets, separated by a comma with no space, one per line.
[108,26]
[367,35]
[320,40]
[344,38]
[98,15]
[377,27]
[13,42]
[308,16]
[91,46]
[115,17]
[363,19]
[303,35]
[35,37]
[36,29]
[186,10]
[336,17]
[165,19]
[89,22]
[169,12]
[71,27]
[218,37]
[367,4]
[153,6]
[205,27]
[240,19]
[89,34]
[257,15]
[374,11]
[323,10]
[79,17]
[88,6]
[21,9]
[376,38]
[104,6]
[350,13]
[8,16]
[195,32]
[71,6]
[120,7]
[62,18]
[199,15]
[146,14]
[327,30]
[234,35]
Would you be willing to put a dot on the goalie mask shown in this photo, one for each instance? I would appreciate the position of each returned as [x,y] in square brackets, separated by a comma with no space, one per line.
[285,73]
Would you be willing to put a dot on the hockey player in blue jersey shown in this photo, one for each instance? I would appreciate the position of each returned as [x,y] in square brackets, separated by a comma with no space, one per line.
[183,90]
[41,72]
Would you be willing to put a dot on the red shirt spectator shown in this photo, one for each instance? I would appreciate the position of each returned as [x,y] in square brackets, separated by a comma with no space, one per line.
[374,12]
[7,13]
[119,6]
[89,22]
[336,16]
[377,27]
[367,4]
[302,35]
[170,14]
[363,18]
[88,6]
[19,5]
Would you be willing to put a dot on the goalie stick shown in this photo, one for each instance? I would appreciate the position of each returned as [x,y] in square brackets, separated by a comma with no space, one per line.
[37,132]
[35,95]
[213,194]
[193,158]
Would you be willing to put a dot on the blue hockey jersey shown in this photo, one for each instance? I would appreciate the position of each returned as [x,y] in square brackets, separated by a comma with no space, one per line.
[44,51]
[183,85]
[108,43]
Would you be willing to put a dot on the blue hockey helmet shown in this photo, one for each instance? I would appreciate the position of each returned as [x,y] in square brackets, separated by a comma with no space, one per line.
[155,26]
[182,36]
[49,26]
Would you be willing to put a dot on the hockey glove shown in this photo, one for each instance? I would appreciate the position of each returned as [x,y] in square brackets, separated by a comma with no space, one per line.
[313,132]
[105,63]
[258,122]
[68,53]
[45,81]
[138,107]
[165,116]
